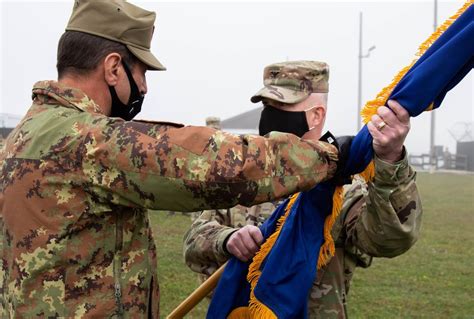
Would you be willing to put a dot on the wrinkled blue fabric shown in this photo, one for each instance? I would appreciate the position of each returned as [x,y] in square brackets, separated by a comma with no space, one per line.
[290,268]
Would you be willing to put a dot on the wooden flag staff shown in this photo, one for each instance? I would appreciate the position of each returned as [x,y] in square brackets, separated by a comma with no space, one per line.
[199,294]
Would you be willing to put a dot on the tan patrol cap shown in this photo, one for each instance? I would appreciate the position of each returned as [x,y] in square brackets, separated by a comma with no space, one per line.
[119,21]
[293,81]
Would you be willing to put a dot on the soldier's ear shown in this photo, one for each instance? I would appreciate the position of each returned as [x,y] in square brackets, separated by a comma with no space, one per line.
[316,116]
[112,68]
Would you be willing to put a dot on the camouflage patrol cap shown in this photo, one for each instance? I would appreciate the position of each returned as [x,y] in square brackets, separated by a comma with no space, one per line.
[119,21]
[293,81]
[214,122]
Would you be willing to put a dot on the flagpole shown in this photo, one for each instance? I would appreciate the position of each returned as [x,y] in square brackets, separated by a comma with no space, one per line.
[361,56]
[197,295]
[359,95]
[432,130]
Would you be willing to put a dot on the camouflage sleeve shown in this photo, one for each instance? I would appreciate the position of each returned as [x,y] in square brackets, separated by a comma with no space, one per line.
[204,241]
[193,168]
[384,219]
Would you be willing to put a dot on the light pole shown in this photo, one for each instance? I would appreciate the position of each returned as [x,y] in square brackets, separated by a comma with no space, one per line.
[432,130]
[361,56]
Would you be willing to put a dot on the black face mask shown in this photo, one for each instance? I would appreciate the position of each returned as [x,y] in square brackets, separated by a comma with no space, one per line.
[134,105]
[273,119]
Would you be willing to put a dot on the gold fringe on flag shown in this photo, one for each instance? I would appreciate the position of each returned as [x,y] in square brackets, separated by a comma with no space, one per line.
[371,106]
[239,313]
[257,309]
[328,248]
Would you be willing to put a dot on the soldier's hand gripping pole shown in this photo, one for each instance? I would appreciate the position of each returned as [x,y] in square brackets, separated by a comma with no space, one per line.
[199,294]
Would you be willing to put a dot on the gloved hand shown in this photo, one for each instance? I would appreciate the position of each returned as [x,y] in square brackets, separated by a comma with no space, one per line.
[343,144]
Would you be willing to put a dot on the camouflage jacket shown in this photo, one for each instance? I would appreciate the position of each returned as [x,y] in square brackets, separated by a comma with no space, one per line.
[74,189]
[379,219]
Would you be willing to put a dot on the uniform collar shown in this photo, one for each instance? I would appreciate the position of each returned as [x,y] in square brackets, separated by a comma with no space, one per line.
[51,92]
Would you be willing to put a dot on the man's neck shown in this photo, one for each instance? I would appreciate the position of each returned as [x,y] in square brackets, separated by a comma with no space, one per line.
[312,135]
[90,87]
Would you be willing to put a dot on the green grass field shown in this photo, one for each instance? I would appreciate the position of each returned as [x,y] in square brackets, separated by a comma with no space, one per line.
[435,279]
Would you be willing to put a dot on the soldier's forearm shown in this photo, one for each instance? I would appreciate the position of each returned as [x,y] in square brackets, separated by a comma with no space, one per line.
[389,176]
[195,168]
[390,220]
[203,245]
[249,169]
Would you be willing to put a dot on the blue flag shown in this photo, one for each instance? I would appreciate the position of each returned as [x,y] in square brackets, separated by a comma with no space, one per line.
[277,282]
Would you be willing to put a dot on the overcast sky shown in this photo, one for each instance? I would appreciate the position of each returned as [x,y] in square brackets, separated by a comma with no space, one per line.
[215,53]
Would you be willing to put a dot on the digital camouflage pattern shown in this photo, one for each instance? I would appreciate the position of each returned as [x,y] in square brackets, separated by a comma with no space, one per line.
[293,81]
[211,228]
[74,189]
[379,219]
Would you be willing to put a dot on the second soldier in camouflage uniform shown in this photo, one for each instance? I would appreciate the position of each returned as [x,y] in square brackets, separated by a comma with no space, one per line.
[77,176]
[379,219]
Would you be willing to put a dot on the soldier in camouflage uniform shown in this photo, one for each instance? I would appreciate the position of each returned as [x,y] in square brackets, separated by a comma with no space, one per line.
[378,219]
[77,177]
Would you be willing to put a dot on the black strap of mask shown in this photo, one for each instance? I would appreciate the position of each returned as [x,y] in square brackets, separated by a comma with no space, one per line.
[135,94]
[133,107]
